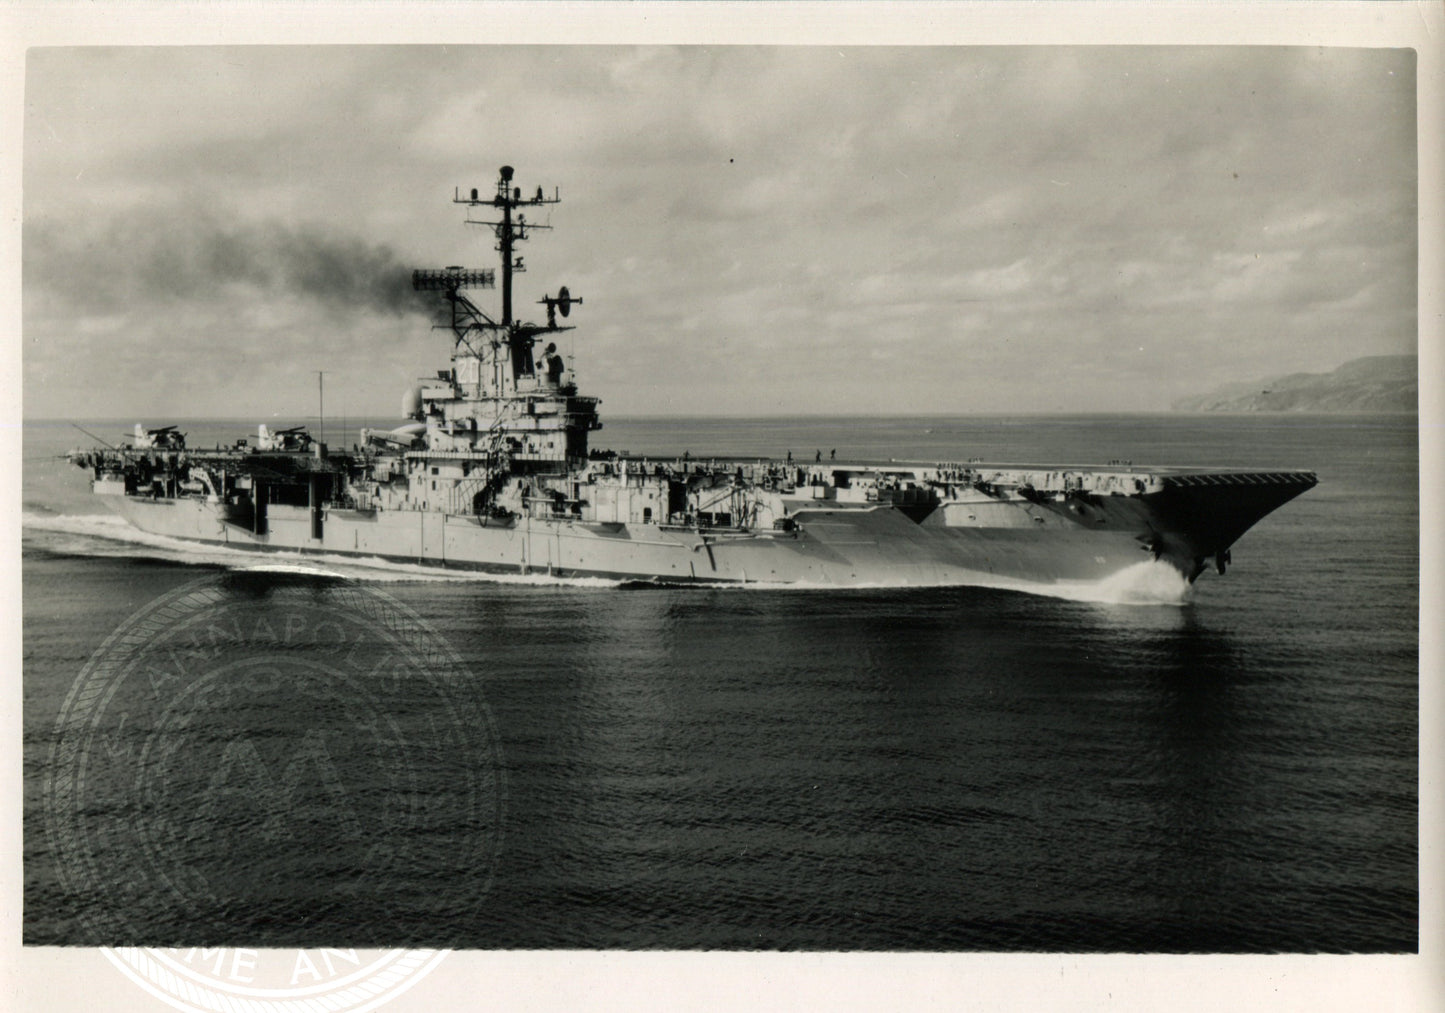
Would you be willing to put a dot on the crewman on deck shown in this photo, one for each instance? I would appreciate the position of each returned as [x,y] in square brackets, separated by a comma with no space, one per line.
[552,365]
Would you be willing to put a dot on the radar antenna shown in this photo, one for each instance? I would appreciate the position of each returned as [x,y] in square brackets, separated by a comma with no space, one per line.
[466,317]
[509,224]
[563,303]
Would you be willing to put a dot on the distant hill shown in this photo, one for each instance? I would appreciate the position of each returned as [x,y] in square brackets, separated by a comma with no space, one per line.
[1377,383]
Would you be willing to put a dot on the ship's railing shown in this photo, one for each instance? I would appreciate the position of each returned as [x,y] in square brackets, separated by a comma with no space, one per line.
[1305,478]
[448,455]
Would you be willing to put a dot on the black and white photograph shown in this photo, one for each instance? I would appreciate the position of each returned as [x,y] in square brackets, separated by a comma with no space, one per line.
[773,499]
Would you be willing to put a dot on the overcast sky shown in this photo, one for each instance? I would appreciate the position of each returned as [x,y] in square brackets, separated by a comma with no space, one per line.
[754,230]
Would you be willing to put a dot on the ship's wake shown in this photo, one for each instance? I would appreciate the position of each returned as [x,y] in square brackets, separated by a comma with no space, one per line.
[106,535]
[1144,583]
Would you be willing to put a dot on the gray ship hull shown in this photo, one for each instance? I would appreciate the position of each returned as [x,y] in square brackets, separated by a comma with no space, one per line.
[874,545]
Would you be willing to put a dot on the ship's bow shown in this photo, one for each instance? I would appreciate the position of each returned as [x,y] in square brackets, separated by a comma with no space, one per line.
[1197,517]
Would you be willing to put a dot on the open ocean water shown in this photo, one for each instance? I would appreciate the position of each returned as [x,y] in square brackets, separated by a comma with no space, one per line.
[591,765]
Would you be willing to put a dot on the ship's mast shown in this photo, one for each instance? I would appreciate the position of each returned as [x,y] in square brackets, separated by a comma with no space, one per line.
[509,224]
[506,236]
[510,230]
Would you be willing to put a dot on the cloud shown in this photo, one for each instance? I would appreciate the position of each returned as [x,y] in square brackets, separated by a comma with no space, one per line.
[1011,280]
[754,220]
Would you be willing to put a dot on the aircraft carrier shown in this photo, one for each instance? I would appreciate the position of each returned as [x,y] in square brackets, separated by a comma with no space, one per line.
[490,469]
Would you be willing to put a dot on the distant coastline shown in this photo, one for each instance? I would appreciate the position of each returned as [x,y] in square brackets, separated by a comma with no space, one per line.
[1376,383]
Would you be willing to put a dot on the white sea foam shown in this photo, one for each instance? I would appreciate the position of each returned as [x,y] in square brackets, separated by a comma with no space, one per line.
[1151,582]
[1144,583]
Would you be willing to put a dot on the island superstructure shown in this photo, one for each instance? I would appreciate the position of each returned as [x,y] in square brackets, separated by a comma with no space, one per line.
[491,470]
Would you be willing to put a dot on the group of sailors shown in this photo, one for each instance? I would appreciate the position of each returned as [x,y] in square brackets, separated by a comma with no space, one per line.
[817,456]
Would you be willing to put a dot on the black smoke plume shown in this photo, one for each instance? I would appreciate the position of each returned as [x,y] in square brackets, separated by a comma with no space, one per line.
[182,257]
